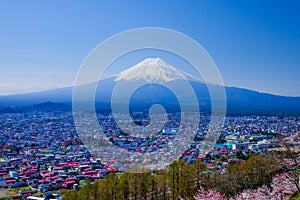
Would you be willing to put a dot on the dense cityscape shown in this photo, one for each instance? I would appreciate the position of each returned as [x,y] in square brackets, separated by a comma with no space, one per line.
[41,152]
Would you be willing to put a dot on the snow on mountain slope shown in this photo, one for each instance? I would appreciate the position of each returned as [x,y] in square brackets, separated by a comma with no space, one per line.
[153,70]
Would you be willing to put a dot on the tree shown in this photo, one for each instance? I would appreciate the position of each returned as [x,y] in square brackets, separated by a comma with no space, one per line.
[161,184]
[291,156]
[124,188]
[281,188]
[208,195]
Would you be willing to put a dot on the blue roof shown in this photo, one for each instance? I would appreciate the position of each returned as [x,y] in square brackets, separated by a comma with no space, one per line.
[167,132]
[229,145]
[219,146]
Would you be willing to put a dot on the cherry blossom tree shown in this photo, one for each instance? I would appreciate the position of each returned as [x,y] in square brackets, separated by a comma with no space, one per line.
[282,187]
[291,156]
[208,195]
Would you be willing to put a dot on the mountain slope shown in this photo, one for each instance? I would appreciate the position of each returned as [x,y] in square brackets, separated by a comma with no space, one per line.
[153,70]
[239,101]
[49,106]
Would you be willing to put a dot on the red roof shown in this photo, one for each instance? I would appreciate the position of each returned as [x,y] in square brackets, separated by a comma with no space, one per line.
[11,181]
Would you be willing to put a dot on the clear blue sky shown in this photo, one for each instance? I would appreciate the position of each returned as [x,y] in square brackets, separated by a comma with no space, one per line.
[255,44]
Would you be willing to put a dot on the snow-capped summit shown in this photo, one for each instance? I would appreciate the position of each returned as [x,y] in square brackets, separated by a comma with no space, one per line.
[153,70]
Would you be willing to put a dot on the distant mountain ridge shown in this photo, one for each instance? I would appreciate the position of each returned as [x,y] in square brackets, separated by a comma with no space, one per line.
[43,107]
[239,100]
[50,106]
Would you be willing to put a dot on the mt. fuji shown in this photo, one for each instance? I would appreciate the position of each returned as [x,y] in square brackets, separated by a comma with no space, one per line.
[153,72]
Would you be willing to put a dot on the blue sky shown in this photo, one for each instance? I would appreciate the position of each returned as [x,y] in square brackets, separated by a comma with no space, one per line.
[255,44]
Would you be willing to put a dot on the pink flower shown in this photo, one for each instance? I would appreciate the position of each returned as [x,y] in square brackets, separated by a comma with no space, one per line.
[281,188]
[208,195]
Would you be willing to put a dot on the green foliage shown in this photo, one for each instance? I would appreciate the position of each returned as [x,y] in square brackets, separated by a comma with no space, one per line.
[181,179]
[242,156]
[16,190]
[250,174]
[295,197]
